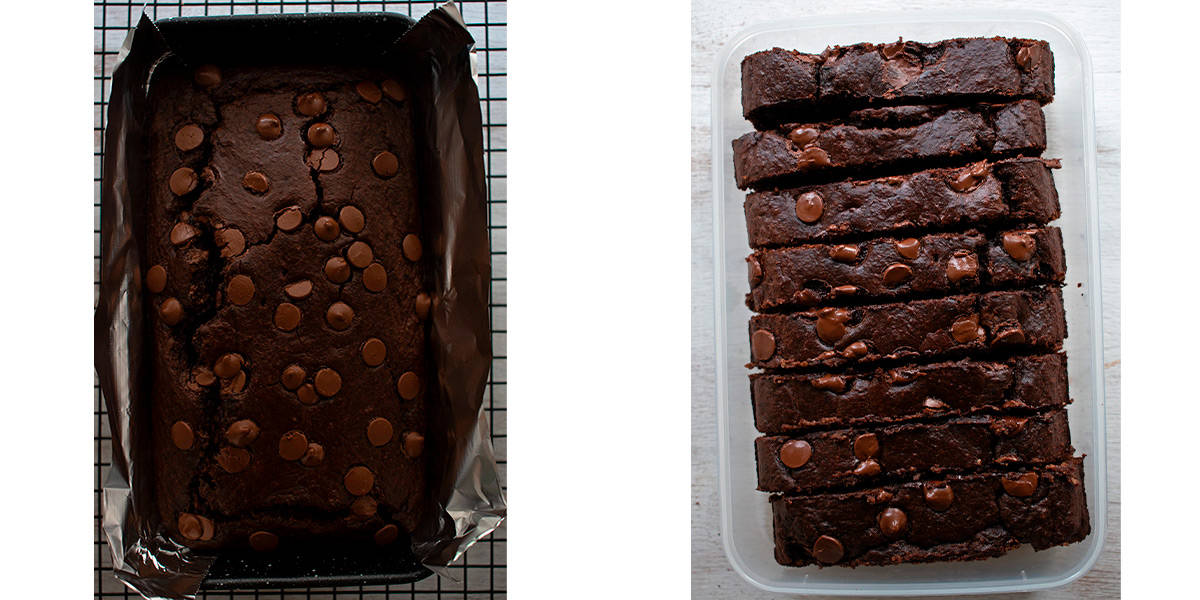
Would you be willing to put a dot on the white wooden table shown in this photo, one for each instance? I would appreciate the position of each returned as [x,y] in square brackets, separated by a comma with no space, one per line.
[714,22]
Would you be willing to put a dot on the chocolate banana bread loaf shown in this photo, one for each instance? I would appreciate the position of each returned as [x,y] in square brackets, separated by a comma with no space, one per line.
[793,402]
[878,268]
[1006,192]
[778,85]
[284,273]
[847,457]
[887,140]
[956,517]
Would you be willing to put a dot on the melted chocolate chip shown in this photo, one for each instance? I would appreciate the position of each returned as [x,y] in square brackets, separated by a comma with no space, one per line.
[762,344]
[868,468]
[830,383]
[970,177]
[803,136]
[844,252]
[866,446]
[908,247]
[1020,245]
[809,207]
[966,329]
[831,324]
[938,498]
[828,550]
[795,453]
[962,264]
[896,273]
[892,522]
[1020,486]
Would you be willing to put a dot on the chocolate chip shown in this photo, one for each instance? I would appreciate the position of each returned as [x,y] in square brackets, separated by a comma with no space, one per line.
[240,290]
[326,229]
[754,271]
[314,455]
[256,182]
[369,91]
[360,254]
[844,290]
[289,219]
[207,528]
[203,376]
[962,264]
[762,344]
[287,316]
[374,277]
[182,233]
[408,385]
[411,247]
[359,480]
[856,350]
[268,126]
[970,177]
[379,431]
[328,382]
[811,156]
[896,273]
[183,180]
[156,279]
[170,311]
[414,444]
[337,270]
[385,164]
[827,550]
[238,383]
[325,159]
[892,522]
[242,433]
[1008,426]
[189,137]
[421,305]
[867,468]
[264,541]
[364,506]
[293,445]
[231,242]
[831,324]
[809,207]
[866,446]
[352,219]
[1020,245]
[803,136]
[934,404]
[182,435]
[908,247]
[373,352]
[795,453]
[830,383]
[386,535]
[307,394]
[293,376]
[938,497]
[311,104]
[394,89]
[207,76]
[228,365]
[233,460]
[1010,335]
[298,290]
[321,135]
[966,329]
[339,316]
[1020,486]
[189,526]
[892,50]
[844,252]
[1027,55]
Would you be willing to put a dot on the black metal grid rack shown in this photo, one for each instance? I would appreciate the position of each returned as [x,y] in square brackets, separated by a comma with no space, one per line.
[482,572]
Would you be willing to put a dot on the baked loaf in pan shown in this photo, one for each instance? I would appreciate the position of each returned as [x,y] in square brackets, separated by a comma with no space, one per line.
[778,84]
[288,297]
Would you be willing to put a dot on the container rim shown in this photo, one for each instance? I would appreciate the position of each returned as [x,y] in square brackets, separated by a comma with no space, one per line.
[1099,517]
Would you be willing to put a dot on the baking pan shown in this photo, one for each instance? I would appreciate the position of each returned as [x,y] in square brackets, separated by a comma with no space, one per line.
[451,185]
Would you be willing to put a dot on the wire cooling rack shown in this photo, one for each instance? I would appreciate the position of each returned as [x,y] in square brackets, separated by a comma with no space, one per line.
[482,572]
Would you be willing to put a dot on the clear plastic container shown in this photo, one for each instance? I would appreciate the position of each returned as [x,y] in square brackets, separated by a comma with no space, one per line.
[745,515]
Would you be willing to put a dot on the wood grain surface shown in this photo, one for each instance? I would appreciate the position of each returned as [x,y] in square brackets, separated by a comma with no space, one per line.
[714,22]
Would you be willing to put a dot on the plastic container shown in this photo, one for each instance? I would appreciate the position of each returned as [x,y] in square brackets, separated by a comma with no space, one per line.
[745,515]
